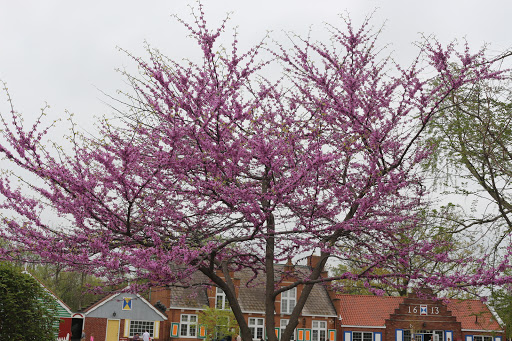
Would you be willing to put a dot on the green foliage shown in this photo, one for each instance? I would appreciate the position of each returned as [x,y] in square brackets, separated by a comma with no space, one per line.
[501,301]
[70,286]
[472,136]
[219,323]
[27,311]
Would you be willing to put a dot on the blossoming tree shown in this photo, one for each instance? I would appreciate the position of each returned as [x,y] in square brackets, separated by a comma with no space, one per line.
[212,168]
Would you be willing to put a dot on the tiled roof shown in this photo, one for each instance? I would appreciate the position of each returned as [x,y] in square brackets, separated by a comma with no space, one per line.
[194,296]
[473,314]
[319,303]
[251,294]
[361,310]
[364,310]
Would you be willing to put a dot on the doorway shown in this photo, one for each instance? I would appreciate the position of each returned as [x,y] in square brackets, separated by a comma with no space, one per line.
[77,325]
[112,330]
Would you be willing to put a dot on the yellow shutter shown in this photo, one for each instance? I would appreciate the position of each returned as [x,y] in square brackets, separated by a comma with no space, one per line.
[156,330]
[126,328]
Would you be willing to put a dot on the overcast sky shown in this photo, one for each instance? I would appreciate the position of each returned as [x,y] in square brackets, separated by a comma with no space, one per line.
[64,52]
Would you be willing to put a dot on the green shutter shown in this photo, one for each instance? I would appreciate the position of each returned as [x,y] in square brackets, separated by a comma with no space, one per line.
[331,334]
[202,332]
[307,334]
[175,329]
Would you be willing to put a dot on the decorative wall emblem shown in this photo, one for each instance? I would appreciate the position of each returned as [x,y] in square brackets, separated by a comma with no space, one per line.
[127,303]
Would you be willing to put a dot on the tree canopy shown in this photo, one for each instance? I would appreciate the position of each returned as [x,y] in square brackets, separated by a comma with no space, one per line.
[27,311]
[213,168]
[72,287]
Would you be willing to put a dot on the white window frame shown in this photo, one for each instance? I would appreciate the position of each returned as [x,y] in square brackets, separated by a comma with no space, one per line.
[257,327]
[140,326]
[288,300]
[360,336]
[283,324]
[440,335]
[318,330]
[220,299]
[482,338]
[188,328]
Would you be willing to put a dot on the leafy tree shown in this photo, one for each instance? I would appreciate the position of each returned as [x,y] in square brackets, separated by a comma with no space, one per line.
[473,139]
[219,323]
[212,168]
[71,287]
[27,311]
[501,301]
[473,136]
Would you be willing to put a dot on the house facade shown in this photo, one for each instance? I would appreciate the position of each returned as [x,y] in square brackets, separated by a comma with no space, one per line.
[120,316]
[330,317]
[317,321]
[417,317]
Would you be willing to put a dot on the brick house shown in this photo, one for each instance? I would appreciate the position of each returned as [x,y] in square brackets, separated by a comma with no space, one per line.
[119,316]
[317,321]
[414,318]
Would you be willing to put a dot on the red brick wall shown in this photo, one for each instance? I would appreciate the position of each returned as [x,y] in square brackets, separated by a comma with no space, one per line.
[97,327]
[408,314]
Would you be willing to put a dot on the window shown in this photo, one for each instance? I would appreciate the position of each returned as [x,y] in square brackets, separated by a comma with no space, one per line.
[365,336]
[288,300]
[220,299]
[188,325]
[256,326]
[139,327]
[319,331]
[407,335]
[482,338]
[440,335]
[284,323]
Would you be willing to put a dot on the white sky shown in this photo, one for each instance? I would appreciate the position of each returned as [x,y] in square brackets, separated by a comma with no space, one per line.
[63,51]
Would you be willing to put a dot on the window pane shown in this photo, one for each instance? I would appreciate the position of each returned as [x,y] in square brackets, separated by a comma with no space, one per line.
[188,325]
[139,327]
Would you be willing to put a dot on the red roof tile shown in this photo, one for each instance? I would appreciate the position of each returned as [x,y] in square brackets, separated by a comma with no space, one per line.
[473,314]
[361,310]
